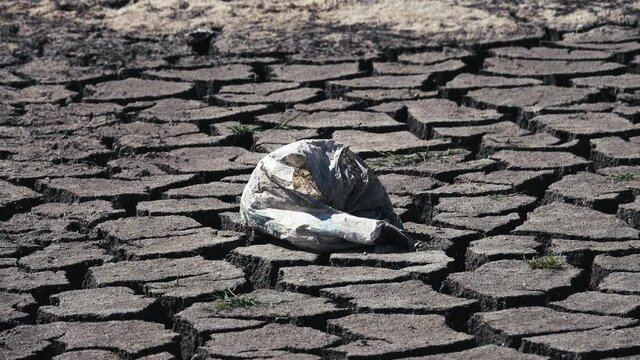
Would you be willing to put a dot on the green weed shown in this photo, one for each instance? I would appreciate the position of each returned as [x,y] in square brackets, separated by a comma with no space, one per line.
[624,177]
[547,262]
[230,300]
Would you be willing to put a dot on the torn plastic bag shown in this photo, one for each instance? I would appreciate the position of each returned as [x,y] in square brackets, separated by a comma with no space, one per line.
[318,195]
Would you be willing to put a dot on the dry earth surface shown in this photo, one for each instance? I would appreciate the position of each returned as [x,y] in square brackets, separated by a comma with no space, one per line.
[506,133]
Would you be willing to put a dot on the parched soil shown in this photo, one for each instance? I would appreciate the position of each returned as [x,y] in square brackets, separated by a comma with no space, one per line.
[507,136]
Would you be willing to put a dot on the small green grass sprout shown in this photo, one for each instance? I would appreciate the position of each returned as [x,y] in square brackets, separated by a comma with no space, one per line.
[547,262]
[241,129]
[230,300]
[624,177]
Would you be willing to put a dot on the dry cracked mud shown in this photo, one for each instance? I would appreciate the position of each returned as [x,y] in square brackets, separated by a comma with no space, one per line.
[506,133]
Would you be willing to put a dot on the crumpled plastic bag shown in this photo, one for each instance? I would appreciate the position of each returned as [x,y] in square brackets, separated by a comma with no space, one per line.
[318,195]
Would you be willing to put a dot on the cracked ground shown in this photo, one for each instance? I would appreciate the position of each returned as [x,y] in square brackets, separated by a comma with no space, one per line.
[510,148]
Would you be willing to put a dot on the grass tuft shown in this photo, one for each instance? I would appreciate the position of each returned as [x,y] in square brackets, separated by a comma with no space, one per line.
[624,177]
[230,300]
[241,129]
[547,262]
[286,121]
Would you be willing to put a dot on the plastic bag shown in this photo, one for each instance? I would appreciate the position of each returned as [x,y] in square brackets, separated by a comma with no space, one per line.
[318,195]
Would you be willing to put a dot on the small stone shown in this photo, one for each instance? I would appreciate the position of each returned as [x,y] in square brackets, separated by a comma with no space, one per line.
[523,286]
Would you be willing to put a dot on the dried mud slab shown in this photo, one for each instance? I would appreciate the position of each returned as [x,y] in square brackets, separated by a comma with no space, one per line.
[508,327]
[575,222]
[132,90]
[395,335]
[524,286]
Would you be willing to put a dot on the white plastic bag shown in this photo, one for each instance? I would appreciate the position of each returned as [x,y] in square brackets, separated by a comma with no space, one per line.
[318,195]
